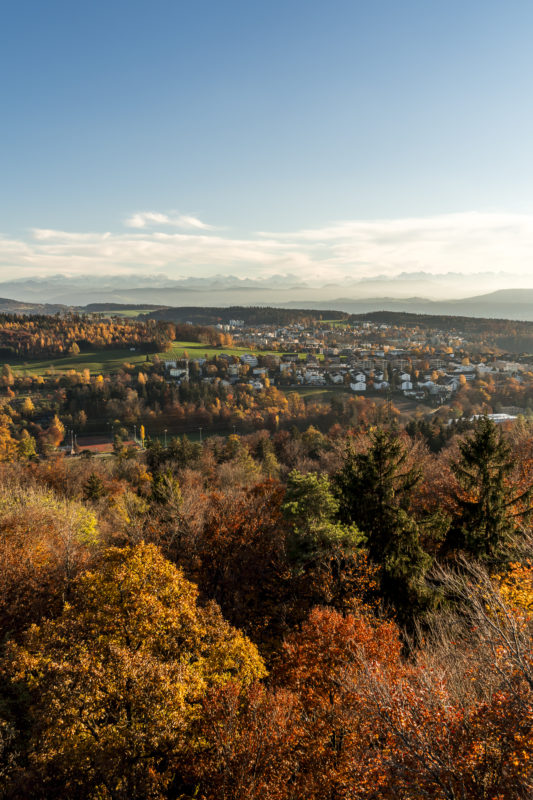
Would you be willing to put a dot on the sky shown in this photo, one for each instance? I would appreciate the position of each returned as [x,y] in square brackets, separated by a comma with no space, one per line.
[327,140]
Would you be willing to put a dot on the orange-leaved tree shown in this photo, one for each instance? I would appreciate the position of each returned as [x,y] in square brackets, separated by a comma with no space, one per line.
[323,664]
[250,750]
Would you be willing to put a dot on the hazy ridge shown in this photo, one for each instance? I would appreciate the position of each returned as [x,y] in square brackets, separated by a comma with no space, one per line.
[58,294]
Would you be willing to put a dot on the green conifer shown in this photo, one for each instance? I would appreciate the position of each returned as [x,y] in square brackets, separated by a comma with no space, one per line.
[486,522]
[374,489]
[94,489]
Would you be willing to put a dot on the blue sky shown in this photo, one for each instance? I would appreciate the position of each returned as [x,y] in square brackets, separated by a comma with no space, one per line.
[283,117]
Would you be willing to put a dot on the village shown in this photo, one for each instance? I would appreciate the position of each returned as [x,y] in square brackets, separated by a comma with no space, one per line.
[173,379]
[364,358]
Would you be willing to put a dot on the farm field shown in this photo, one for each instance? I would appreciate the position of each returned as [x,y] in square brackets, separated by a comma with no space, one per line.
[96,361]
[336,323]
[319,392]
[106,361]
[129,313]
[199,350]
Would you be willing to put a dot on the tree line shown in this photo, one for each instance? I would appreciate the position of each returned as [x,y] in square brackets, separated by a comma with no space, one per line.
[33,335]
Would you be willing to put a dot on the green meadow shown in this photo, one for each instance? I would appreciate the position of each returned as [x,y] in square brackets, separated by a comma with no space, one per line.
[107,361]
[198,350]
[96,361]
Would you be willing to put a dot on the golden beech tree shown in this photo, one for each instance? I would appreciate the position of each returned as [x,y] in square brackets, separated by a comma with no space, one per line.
[516,588]
[117,681]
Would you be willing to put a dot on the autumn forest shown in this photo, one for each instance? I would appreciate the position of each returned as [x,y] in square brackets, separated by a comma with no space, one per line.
[255,593]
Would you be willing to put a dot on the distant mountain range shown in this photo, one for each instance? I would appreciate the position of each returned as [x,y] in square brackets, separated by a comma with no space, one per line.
[502,304]
[403,293]
[157,289]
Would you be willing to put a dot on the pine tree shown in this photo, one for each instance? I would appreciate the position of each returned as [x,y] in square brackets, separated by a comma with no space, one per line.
[315,535]
[486,521]
[166,489]
[326,557]
[182,451]
[374,488]
[94,489]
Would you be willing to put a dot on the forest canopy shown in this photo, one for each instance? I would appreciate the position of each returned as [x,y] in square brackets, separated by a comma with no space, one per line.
[295,616]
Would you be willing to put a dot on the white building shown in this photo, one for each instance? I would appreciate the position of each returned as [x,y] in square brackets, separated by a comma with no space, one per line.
[497,418]
[182,372]
[314,378]
[250,359]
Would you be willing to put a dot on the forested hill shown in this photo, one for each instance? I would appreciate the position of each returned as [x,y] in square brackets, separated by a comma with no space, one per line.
[93,308]
[251,315]
[447,322]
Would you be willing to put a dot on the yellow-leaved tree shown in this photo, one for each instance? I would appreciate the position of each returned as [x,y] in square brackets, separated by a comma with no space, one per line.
[516,588]
[8,445]
[117,682]
[45,541]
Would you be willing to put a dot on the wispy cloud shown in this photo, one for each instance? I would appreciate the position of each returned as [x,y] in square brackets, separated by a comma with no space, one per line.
[146,219]
[464,243]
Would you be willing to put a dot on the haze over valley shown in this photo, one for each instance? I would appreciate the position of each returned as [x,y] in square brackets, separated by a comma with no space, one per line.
[419,293]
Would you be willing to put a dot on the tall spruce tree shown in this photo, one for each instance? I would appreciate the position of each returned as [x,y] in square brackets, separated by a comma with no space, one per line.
[94,488]
[373,489]
[486,520]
